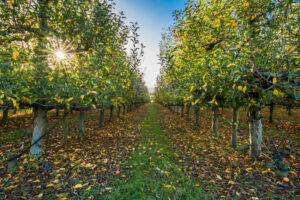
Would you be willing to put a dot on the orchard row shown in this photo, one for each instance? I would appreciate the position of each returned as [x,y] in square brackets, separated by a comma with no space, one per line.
[232,54]
[67,55]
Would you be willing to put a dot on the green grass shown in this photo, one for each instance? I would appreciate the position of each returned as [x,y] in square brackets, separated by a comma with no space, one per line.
[152,174]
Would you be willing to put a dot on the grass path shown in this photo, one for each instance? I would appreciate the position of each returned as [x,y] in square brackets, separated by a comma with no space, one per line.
[150,173]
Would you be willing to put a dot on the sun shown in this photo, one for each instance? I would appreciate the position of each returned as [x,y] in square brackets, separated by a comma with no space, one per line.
[60,55]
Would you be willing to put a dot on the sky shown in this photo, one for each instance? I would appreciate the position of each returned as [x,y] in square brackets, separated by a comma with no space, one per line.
[153,17]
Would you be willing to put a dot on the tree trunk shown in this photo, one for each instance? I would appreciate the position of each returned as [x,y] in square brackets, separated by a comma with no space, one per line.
[111,113]
[182,111]
[235,125]
[5,116]
[177,110]
[124,109]
[81,123]
[119,111]
[289,110]
[39,127]
[188,106]
[57,113]
[197,122]
[66,127]
[255,128]
[101,117]
[215,121]
[271,112]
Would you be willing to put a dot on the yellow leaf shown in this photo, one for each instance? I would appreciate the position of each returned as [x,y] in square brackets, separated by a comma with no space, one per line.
[168,186]
[50,185]
[234,23]
[36,181]
[240,88]
[219,177]
[15,55]
[108,50]
[274,80]
[204,76]
[196,101]
[246,4]
[256,50]
[26,100]
[14,102]
[10,5]
[253,17]
[266,171]
[244,89]
[231,182]
[217,22]
[11,187]
[293,172]
[70,99]
[249,169]
[233,86]
[192,88]
[89,188]
[212,181]
[82,97]
[68,20]
[292,49]
[275,92]
[78,186]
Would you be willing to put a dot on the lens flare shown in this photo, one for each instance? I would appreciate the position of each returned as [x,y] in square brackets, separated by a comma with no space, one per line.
[60,55]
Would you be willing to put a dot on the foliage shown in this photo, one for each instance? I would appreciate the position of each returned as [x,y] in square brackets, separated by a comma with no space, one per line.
[65,53]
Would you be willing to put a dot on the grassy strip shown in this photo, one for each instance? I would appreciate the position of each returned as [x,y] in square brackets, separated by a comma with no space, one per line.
[152,173]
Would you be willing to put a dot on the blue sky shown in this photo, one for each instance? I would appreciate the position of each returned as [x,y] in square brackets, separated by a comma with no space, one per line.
[153,16]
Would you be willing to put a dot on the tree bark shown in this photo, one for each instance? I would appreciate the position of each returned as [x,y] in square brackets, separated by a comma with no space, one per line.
[271,112]
[188,107]
[289,110]
[182,111]
[101,117]
[81,123]
[124,109]
[235,125]
[57,113]
[66,127]
[39,127]
[215,121]
[177,110]
[197,122]
[5,116]
[111,113]
[255,128]
[119,111]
